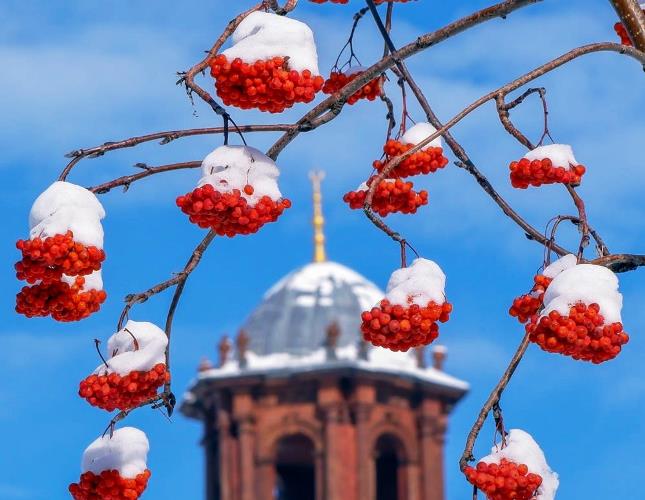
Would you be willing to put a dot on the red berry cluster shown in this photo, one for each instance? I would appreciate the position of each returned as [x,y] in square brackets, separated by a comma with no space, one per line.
[48,259]
[60,300]
[582,334]
[525,173]
[391,195]
[526,306]
[399,328]
[113,391]
[337,80]
[109,485]
[229,214]
[266,85]
[426,161]
[504,481]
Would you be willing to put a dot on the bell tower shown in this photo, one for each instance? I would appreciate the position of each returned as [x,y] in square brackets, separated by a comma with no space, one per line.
[302,409]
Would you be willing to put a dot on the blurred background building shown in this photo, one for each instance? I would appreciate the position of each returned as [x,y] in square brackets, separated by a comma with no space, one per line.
[301,408]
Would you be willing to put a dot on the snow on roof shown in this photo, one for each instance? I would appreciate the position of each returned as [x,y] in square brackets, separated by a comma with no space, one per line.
[379,360]
[322,277]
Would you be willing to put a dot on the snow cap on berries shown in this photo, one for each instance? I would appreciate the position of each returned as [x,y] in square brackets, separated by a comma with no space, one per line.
[587,284]
[555,268]
[63,207]
[233,167]
[521,448]
[125,357]
[418,133]
[263,35]
[561,155]
[420,283]
[126,452]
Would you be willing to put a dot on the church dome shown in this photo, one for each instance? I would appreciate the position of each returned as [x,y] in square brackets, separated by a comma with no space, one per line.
[295,313]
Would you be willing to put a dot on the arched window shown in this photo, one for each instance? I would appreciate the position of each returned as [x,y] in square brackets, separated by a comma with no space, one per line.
[294,467]
[389,460]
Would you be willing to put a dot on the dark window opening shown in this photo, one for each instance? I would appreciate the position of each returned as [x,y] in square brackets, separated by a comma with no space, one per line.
[388,462]
[295,472]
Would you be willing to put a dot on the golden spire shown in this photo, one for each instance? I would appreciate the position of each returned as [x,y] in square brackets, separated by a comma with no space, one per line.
[319,221]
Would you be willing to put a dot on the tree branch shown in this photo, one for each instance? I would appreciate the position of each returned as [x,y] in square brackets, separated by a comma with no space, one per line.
[633,19]
[126,180]
[177,279]
[493,399]
[165,138]
[464,161]
[317,116]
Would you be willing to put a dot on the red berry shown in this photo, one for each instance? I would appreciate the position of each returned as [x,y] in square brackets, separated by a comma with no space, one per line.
[46,260]
[60,300]
[504,481]
[391,195]
[109,485]
[426,161]
[265,85]
[582,334]
[400,328]
[337,80]
[123,392]
[525,173]
[229,214]
[526,306]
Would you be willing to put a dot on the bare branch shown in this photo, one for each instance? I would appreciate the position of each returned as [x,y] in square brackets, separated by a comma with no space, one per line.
[281,11]
[319,114]
[620,263]
[164,137]
[464,161]
[126,180]
[177,279]
[493,399]
[188,78]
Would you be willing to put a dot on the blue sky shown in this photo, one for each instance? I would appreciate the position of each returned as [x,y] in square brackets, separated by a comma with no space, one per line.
[81,73]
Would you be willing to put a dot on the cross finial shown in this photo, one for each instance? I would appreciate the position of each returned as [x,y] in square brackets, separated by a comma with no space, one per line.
[318,220]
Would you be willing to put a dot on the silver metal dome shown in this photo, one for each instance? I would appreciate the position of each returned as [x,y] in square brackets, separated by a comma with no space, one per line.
[295,313]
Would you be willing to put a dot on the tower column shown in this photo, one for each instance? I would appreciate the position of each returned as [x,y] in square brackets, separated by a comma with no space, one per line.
[340,459]
[432,428]
[340,449]
[266,478]
[243,414]
[224,446]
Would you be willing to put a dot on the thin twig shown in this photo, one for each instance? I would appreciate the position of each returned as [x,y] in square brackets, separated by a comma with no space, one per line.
[582,215]
[164,137]
[492,400]
[328,109]
[97,343]
[178,278]
[127,180]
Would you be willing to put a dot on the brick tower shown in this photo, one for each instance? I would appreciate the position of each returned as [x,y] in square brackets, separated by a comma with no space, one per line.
[301,409]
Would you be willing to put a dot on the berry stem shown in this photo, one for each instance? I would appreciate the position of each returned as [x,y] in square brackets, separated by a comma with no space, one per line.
[583,224]
[136,342]
[350,44]
[97,343]
[281,11]
[403,256]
